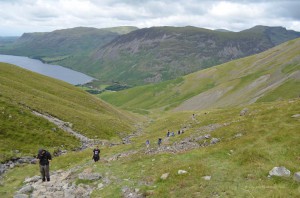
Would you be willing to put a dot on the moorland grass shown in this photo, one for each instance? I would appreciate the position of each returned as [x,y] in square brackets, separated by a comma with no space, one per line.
[238,165]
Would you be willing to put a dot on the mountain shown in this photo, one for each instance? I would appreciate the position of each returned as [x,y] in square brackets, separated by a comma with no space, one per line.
[269,76]
[23,91]
[132,56]
[68,47]
[4,40]
[157,54]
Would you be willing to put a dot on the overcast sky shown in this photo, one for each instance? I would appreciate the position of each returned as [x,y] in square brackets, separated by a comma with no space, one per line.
[19,16]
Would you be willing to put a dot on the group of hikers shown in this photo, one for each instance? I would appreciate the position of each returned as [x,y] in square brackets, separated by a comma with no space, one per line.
[169,134]
[44,157]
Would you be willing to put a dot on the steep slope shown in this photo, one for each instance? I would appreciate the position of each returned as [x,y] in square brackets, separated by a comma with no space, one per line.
[268,76]
[157,54]
[22,91]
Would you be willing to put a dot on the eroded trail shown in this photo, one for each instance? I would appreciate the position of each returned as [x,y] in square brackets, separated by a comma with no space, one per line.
[66,126]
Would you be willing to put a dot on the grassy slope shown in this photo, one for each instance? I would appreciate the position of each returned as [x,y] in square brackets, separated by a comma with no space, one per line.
[239,166]
[20,89]
[267,76]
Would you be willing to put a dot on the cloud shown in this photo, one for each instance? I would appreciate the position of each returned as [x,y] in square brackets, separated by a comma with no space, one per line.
[236,15]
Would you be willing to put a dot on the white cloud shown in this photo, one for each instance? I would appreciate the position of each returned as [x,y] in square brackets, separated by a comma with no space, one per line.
[49,15]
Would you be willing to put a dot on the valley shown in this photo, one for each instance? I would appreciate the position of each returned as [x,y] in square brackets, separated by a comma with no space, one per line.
[233,124]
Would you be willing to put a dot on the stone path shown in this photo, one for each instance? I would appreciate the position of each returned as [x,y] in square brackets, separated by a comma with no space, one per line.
[66,126]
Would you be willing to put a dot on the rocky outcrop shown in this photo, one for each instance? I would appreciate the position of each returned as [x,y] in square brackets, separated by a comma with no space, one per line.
[16,162]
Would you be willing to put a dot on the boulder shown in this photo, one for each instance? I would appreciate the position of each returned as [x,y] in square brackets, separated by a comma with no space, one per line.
[244,112]
[207,178]
[89,176]
[21,196]
[26,189]
[296,116]
[32,179]
[100,186]
[164,176]
[297,176]
[181,172]
[280,171]
[214,140]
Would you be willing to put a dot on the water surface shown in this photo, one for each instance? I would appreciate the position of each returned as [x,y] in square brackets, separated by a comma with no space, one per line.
[54,71]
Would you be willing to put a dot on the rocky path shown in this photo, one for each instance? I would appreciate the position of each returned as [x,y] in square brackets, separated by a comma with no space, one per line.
[66,126]
[63,184]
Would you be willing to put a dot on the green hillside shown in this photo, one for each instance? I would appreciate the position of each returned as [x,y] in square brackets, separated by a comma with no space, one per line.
[268,76]
[22,91]
[156,54]
[238,165]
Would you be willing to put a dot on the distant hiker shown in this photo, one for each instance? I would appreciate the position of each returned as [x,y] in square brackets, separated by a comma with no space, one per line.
[147,143]
[172,134]
[168,134]
[159,141]
[178,132]
[44,158]
[96,154]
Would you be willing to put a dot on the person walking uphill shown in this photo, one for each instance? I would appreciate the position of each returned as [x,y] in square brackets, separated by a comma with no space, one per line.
[96,154]
[44,158]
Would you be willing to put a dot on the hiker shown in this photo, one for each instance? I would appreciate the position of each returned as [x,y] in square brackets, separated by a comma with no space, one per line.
[96,154]
[178,132]
[147,143]
[172,134]
[168,134]
[44,158]
[159,141]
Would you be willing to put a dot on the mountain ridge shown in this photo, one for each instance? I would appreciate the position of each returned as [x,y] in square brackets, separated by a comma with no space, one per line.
[148,55]
[268,76]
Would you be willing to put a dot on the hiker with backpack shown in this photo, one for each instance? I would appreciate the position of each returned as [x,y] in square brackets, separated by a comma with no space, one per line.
[44,158]
[96,154]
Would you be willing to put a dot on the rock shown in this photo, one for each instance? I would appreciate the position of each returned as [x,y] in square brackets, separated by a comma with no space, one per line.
[207,178]
[164,176]
[296,116]
[26,189]
[2,168]
[207,136]
[89,176]
[297,176]
[21,196]
[214,140]
[238,135]
[100,186]
[244,112]
[32,179]
[181,172]
[280,171]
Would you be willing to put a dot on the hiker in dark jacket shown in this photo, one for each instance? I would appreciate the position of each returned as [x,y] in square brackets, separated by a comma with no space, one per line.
[44,158]
[96,154]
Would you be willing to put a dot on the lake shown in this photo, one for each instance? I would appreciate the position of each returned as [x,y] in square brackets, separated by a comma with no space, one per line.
[54,71]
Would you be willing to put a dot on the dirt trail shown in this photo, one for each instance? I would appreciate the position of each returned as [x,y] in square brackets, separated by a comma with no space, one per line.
[66,126]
